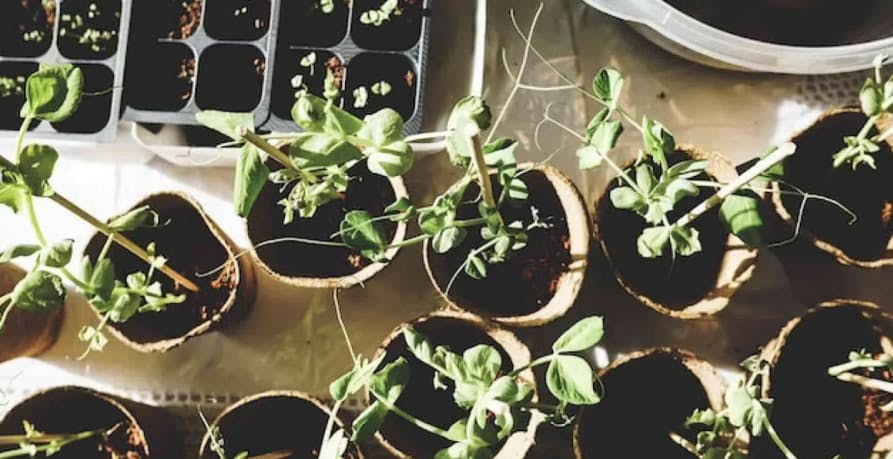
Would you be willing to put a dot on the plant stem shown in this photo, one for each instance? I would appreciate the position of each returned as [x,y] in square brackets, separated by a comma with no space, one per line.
[411,241]
[427,136]
[412,419]
[864,381]
[540,361]
[777,439]
[6,308]
[32,216]
[21,138]
[856,364]
[758,169]
[331,423]
[480,166]
[269,149]
[51,442]
[683,442]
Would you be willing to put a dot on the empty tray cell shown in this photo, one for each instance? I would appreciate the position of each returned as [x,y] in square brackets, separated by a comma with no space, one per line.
[230,78]
[12,93]
[88,29]
[161,79]
[381,80]
[154,19]
[26,27]
[387,24]
[298,70]
[243,20]
[95,110]
[313,22]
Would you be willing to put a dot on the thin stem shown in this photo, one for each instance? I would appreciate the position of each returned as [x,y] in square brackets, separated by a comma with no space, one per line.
[428,136]
[412,419]
[411,241]
[480,165]
[777,439]
[353,355]
[864,381]
[683,442]
[299,240]
[74,280]
[540,361]
[331,422]
[856,364]
[21,138]
[97,330]
[276,154]
[52,442]
[6,308]
[35,223]
[471,254]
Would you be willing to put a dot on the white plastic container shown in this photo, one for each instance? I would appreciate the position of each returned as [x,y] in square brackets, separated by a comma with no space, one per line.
[694,40]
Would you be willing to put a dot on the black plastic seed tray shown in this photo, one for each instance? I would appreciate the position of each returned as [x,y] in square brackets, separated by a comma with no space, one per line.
[87,33]
[255,55]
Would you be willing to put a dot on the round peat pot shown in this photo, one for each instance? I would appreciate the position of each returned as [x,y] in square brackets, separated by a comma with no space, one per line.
[867,192]
[144,431]
[274,421]
[816,414]
[648,394]
[192,243]
[25,333]
[541,282]
[458,331]
[312,265]
[685,287]
[26,28]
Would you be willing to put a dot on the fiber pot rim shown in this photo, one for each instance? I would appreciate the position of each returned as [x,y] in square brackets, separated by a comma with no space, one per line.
[350,280]
[821,244]
[245,282]
[713,384]
[518,443]
[571,281]
[737,265]
[303,396]
[51,321]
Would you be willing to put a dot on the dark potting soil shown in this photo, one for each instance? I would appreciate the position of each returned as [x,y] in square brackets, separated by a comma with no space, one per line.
[649,398]
[672,283]
[814,23]
[161,79]
[528,279]
[26,27]
[397,70]
[190,247]
[800,383]
[242,20]
[66,411]
[398,33]
[879,421]
[271,424]
[240,90]
[421,399]
[16,74]
[94,112]
[866,192]
[303,23]
[288,65]
[154,19]
[79,20]
[365,191]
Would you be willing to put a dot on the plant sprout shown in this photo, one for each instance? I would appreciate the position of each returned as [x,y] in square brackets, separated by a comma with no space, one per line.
[12,86]
[75,26]
[309,61]
[34,442]
[360,97]
[381,88]
[382,14]
[876,100]
[216,444]
[53,94]
[327,6]
[862,360]
[724,434]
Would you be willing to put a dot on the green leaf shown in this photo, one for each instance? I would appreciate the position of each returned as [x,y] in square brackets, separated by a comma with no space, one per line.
[659,142]
[388,383]
[500,154]
[645,178]
[391,160]
[334,448]
[382,127]
[740,213]
[687,169]
[101,277]
[12,196]
[227,123]
[57,255]
[870,98]
[53,92]
[448,239]
[517,190]
[18,251]
[483,362]
[588,157]
[685,240]
[360,233]
[251,176]
[319,149]
[469,117]
[354,380]
[608,84]
[401,210]
[581,336]
[141,217]
[476,267]
[36,164]
[569,378]
[625,197]
[653,241]
[39,291]
[315,114]
[605,136]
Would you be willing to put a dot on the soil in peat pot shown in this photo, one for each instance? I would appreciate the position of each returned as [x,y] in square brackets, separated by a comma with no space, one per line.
[528,279]
[866,192]
[154,19]
[365,191]
[241,20]
[399,32]
[800,383]
[650,397]
[161,79]
[26,27]
[70,411]
[225,67]
[289,68]
[673,283]
[421,399]
[88,29]
[268,424]
[305,23]
[95,110]
[13,76]
[368,69]
[190,247]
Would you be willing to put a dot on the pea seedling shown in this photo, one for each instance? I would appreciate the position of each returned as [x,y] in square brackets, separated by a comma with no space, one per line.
[876,100]
[216,444]
[869,364]
[53,94]
[34,442]
[382,14]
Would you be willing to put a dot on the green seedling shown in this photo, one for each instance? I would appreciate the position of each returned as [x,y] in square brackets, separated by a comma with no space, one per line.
[33,442]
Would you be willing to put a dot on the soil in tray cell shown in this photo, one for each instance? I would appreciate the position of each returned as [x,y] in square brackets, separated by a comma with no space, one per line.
[26,27]
[379,24]
[95,110]
[376,81]
[154,19]
[13,76]
[301,69]
[88,29]
[230,78]
[161,79]
[243,20]
[313,22]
